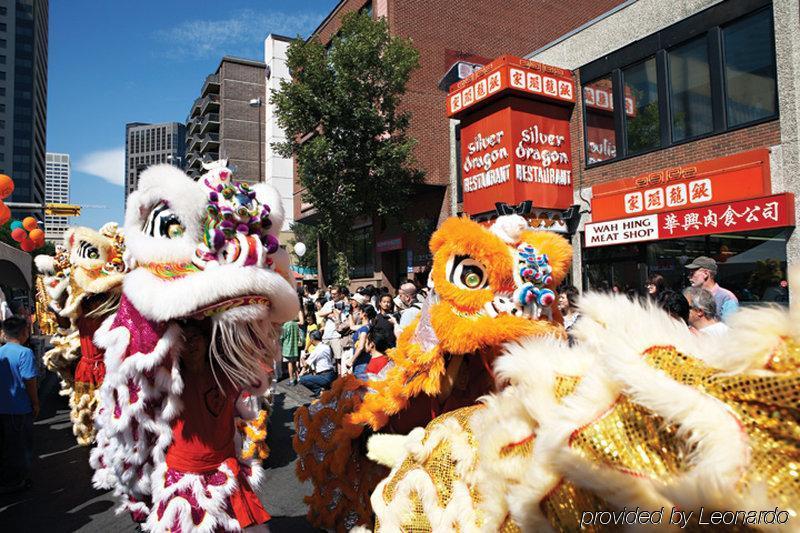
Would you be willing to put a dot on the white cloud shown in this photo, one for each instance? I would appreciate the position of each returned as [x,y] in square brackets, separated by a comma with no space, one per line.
[241,33]
[106,164]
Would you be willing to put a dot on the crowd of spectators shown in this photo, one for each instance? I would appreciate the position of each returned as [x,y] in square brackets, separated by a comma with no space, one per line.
[337,332]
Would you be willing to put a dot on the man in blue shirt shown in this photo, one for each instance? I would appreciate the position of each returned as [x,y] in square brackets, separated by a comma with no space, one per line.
[703,274]
[19,405]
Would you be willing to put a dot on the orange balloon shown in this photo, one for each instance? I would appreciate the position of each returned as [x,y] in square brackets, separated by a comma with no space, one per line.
[36,234]
[5,213]
[29,223]
[27,245]
[19,234]
[6,186]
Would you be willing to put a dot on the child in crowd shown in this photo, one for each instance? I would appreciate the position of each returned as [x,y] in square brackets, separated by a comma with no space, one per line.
[19,405]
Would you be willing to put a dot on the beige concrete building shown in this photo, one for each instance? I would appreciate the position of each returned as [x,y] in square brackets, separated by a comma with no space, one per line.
[227,118]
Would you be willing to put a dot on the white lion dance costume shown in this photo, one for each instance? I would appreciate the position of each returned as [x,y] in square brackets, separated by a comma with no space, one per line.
[640,416]
[188,349]
[82,286]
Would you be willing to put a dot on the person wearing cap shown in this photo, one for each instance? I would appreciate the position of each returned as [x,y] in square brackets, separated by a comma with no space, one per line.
[702,274]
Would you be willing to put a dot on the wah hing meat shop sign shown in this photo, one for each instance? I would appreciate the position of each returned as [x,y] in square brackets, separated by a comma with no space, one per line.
[774,211]
[515,146]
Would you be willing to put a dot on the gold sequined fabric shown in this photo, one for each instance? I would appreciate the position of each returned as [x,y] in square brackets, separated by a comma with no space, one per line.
[633,440]
[565,385]
[767,407]
[786,357]
[440,467]
[565,503]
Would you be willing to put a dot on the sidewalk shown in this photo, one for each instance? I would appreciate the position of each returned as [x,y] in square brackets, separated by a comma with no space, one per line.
[62,498]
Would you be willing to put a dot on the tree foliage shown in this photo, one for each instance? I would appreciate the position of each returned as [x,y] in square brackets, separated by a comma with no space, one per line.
[344,125]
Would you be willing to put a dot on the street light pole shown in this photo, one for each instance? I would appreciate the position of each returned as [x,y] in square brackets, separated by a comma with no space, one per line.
[257,103]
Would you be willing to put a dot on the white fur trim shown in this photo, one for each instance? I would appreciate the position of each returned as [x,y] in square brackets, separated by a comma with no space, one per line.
[186,198]
[212,499]
[387,450]
[163,300]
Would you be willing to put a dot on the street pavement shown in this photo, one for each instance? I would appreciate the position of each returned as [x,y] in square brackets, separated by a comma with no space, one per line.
[62,498]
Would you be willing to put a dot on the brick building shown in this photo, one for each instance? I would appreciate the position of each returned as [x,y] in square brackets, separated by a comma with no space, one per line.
[226,120]
[674,99]
[443,32]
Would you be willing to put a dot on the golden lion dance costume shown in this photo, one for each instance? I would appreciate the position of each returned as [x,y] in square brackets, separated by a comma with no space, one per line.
[489,286]
[189,350]
[83,281]
[640,422]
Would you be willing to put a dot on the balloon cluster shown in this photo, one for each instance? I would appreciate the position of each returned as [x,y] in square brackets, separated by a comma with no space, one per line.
[536,272]
[27,233]
[6,188]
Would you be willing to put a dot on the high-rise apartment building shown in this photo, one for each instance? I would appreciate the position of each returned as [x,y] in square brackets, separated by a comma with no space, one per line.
[150,144]
[278,171]
[23,98]
[226,120]
[56,191]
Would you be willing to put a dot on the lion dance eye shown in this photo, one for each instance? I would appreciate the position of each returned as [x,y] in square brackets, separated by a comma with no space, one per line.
[467,273]
[93,254]
[174,231]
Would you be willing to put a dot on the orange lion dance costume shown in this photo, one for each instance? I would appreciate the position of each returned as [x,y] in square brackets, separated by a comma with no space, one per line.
[489,286]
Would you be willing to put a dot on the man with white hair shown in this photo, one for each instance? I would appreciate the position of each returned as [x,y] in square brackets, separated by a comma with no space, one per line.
[703,274]
[408,295]
[703,312]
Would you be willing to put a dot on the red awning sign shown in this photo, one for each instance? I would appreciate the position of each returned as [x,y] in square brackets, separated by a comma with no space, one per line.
[774,211]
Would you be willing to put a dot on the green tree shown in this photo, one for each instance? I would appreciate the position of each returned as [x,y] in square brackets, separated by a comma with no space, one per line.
[307,234]
[345,128]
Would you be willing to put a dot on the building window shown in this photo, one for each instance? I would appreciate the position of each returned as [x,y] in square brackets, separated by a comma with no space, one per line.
[750,69]
[642,125]
[690,90]
[685,82]
[601,138]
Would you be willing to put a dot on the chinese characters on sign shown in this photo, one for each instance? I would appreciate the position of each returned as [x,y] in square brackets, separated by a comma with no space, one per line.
[677,195]
[727,179]
[745,215]
[511,73]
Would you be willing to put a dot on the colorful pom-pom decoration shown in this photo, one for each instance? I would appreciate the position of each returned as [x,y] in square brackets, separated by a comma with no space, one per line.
[16,224]
[29,223]
[6,186]
[27,245]
[19,234]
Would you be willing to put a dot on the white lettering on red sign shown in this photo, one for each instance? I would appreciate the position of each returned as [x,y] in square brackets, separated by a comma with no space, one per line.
[476,157]
[676,195]
[543,149]
[491,177]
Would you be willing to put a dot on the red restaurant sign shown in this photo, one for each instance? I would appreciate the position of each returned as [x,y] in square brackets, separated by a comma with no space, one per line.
[774,211]
[515,146]
[506,73]
[726,179]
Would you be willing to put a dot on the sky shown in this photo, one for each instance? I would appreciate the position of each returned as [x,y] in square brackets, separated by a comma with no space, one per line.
[115,62]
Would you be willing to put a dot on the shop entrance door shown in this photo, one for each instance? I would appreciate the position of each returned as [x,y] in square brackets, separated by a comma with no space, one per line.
[623,267]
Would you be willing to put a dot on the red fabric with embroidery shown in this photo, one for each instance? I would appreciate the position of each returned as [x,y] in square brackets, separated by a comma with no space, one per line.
[202,439]
[90,368]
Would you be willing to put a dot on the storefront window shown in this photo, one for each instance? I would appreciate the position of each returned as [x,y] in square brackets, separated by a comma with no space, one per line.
[601,140]
[750,68]
[752,265]
[719,76]
[360,252]
[642,126]
[690,90]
